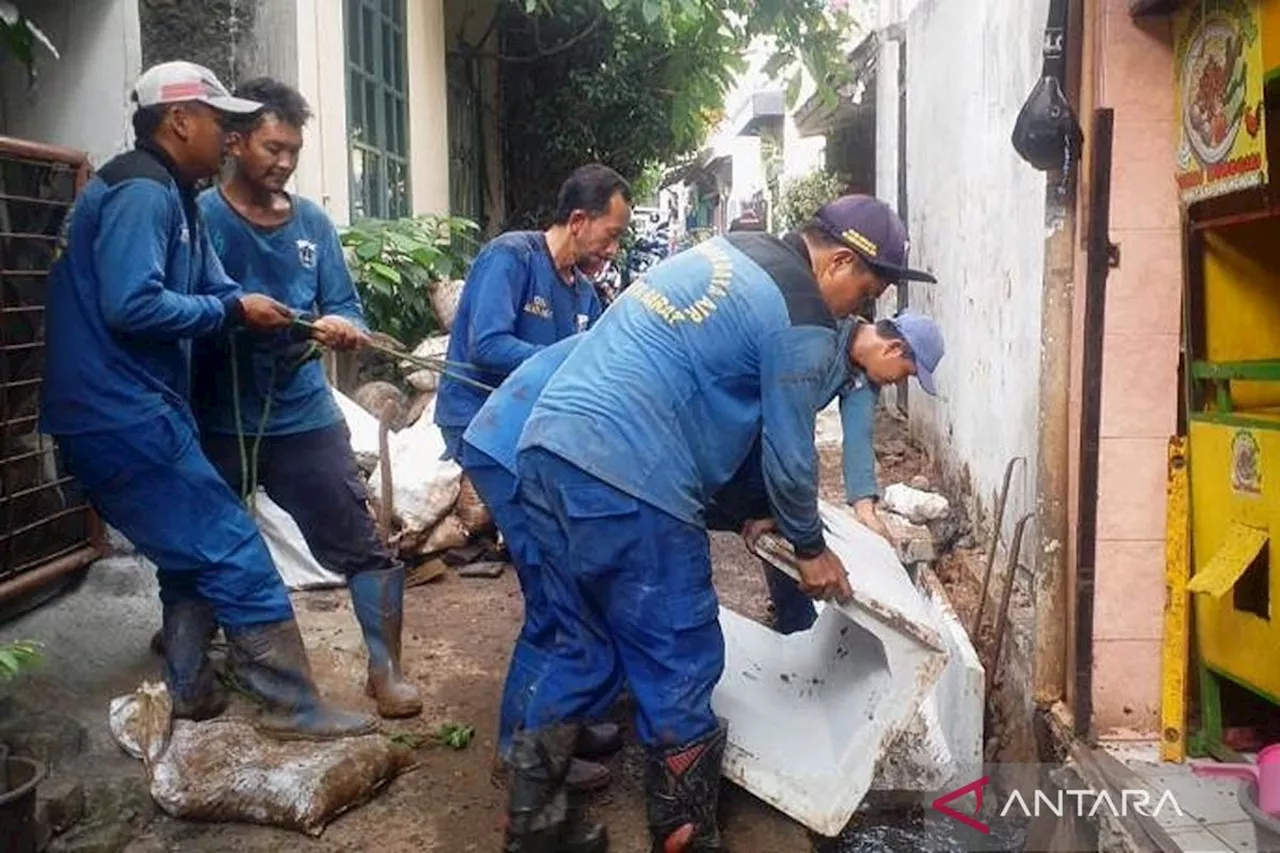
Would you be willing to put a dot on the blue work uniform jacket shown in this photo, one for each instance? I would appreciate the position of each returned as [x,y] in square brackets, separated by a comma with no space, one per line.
[716,346]
[135,279]
[513,304]
[495,430]
[299,264]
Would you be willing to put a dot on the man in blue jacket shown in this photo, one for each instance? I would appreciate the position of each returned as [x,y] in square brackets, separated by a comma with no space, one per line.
[880,353]
[526,291]
[488,455]
[643,423]
[267,416]
[135,282]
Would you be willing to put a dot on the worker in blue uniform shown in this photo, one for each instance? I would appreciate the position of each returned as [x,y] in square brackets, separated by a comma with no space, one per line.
[526,290]
[652,413]
[136,281]
[880,353]
[267,416]
[489,458]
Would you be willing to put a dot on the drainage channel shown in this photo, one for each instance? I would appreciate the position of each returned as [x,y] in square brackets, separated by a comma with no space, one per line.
[910,832]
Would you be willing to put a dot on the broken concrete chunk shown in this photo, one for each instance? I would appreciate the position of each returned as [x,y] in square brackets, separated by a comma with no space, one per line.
[914,541]
[482,570]
[915,505]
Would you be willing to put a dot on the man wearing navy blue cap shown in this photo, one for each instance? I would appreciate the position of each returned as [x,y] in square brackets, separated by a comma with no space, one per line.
[880,353]
[652,413]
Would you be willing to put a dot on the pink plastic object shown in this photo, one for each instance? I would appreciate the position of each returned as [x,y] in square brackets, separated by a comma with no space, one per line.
[1265,774]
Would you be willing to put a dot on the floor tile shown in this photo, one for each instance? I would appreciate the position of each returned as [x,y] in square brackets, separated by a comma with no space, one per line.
[1209,801]
[1239,836]
[1198,841]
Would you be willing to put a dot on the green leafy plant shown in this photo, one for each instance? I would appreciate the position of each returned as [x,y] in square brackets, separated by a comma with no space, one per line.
[18,657]
[800,199]
[394,263]
[456,735]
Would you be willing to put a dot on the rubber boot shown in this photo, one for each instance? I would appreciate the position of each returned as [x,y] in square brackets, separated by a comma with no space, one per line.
[682,792]
[188,630]
[599,740]
[539,819]
[271,662]
[378,599]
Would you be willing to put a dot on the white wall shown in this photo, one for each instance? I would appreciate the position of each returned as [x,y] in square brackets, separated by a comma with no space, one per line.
[976,217]
[322,174]
[81,101]
[428,107]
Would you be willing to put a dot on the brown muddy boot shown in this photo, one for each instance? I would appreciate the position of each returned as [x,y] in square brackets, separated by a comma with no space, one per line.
[682,792]
[271,663]
[539,819]
[378,600]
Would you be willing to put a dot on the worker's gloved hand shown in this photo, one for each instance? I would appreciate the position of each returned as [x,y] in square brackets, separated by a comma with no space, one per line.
[263,313]
[824,577]
[338,333]
[754,529]
[865,511]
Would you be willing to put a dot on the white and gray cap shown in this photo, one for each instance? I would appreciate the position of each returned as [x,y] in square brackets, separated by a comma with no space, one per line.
[178,82]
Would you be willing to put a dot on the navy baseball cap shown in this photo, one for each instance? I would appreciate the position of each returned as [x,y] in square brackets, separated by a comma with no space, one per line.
[869,227]
[925,340]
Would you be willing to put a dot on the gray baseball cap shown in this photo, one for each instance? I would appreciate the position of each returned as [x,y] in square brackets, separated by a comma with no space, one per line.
[178,82]
[925,340]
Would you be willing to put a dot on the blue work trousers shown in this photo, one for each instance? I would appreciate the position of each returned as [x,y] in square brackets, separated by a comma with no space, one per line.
[630,589]
[314,477]
[153,483]
[497,488]
[745,498]
[452,442]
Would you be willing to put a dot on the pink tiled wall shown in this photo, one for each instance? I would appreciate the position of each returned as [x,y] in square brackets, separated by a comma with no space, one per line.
[1139,380]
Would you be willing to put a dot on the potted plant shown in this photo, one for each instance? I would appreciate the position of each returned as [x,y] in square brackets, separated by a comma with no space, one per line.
[19,777]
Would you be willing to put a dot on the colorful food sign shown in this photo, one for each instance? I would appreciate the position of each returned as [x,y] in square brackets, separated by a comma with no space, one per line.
[1218,61]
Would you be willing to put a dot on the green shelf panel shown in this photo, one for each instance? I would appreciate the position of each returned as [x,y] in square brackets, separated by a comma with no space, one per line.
[1251,371]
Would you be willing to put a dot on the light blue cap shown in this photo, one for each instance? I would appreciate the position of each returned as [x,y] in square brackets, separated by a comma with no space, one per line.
[925,339]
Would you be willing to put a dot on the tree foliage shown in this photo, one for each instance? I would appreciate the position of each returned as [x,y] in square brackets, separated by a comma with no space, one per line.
[637,83]
[800,199]
[19,36]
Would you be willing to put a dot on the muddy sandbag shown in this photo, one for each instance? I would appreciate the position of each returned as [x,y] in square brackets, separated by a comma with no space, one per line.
[435,347]
[224,771]
[449,533]
[470,509]
[445,296]
[375,397]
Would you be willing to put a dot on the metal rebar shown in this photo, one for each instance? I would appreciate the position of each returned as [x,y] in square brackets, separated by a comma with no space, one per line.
[995,543]
[1002,617]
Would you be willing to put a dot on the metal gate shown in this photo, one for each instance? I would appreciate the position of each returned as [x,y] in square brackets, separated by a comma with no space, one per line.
[46,528]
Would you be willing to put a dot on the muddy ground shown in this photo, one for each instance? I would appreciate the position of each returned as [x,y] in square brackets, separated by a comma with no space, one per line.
[458,636]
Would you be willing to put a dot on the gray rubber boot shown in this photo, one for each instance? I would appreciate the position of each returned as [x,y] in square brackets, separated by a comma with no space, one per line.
[539,819]
[189,627]
[378,600]
[270,661]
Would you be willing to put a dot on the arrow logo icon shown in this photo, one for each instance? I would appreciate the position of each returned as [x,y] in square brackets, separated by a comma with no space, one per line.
[975,787]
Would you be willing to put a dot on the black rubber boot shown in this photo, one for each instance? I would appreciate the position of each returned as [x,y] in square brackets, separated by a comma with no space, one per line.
[188,630]
[682,792]
[539,819]
[271,663]
[599,740]
[378,599]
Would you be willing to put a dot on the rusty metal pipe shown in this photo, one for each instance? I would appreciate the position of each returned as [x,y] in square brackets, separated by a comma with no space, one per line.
[33,580]
[995,543]
[1002,616]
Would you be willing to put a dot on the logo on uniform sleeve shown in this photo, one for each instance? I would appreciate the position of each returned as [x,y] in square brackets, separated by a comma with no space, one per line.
[583,320]
[184,234]
[538,307]
[307,254]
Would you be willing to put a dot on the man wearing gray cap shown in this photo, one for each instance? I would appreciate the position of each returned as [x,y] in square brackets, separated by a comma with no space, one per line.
[135,280]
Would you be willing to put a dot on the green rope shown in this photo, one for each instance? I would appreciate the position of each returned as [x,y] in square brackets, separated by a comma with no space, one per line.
[249,457]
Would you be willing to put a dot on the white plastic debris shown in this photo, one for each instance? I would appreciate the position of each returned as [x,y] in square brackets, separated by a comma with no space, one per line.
[914,505]
[424,488]
[811,715]
[434,347]
[362,426]
[298,568]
